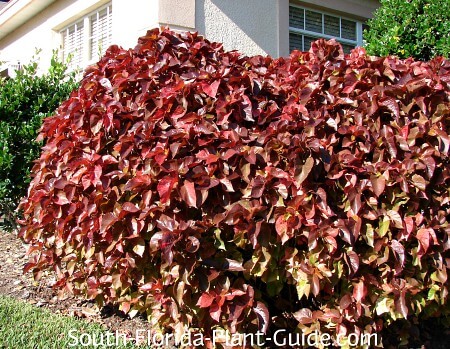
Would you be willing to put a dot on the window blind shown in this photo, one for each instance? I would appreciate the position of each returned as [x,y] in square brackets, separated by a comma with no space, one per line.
[332,26]
[88,38]
[297,17]
[348,29]
[313,21]
[72,38]
[100,39]
[306,25]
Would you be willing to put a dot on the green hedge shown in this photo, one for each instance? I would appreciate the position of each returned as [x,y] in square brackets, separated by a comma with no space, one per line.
[24,101]
[415,28]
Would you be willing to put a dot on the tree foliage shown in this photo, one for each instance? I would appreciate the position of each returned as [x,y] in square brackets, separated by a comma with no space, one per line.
[413,28]
[24,101]
[210,189]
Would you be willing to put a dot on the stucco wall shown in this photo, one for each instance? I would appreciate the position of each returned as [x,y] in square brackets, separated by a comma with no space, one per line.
[250,26]
[179,14]
[262,26]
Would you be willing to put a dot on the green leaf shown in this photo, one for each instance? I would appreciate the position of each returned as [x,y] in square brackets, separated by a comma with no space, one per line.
[384,305]
[384,226]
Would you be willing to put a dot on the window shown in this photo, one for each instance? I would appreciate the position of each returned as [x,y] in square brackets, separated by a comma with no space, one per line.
[88,38]
[101,33]
[72,43]
[307,25]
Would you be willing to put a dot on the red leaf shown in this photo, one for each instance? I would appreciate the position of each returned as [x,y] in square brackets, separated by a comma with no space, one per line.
[304,316]
[125,307]
[419,182]
[409,224]
[138,181]
[107,220]
[281,228]
[148,287]
[246,109]
[215,312]
[395,218]
[430,164]
[392,105]
[165,187]
[378,184]
[444,141]
[224,264]
[188,193]
[227,183]
[423,236]
[28,266]
[400,304]
[399,251]
[129,207]
[211,89]
[355,203]
[61,198]
[206,300]
[315,285]
[353,261]
[306,169]
[345,301]
[359,291]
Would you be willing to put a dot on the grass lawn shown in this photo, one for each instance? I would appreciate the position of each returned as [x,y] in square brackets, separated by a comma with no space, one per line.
[22,325]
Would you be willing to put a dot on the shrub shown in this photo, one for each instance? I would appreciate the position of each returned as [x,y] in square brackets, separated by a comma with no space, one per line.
[210,189]
[415,28]
[24,102]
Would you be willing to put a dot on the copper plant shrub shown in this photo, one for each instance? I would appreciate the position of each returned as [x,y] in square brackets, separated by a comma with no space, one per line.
[252,193]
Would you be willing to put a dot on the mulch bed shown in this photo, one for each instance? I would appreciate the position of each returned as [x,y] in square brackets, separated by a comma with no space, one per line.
[15,284]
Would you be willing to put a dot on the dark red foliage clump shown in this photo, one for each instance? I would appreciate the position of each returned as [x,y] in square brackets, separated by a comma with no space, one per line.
[211,189]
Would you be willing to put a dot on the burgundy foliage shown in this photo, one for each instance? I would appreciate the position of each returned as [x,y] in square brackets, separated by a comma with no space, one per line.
[211,189]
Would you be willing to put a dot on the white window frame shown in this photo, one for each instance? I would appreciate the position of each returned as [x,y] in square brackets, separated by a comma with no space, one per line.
[294,30]
[87,36]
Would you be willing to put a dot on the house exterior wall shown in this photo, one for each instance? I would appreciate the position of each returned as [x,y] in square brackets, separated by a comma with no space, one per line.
[262,26]
[42,31]
[251,26]
[178,14]
[132,19]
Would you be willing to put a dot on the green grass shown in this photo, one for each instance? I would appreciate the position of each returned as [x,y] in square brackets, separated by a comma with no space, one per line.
[25,326]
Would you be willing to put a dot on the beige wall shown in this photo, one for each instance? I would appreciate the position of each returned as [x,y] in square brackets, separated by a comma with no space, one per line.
[262,26]
[179,14]
[250,26]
